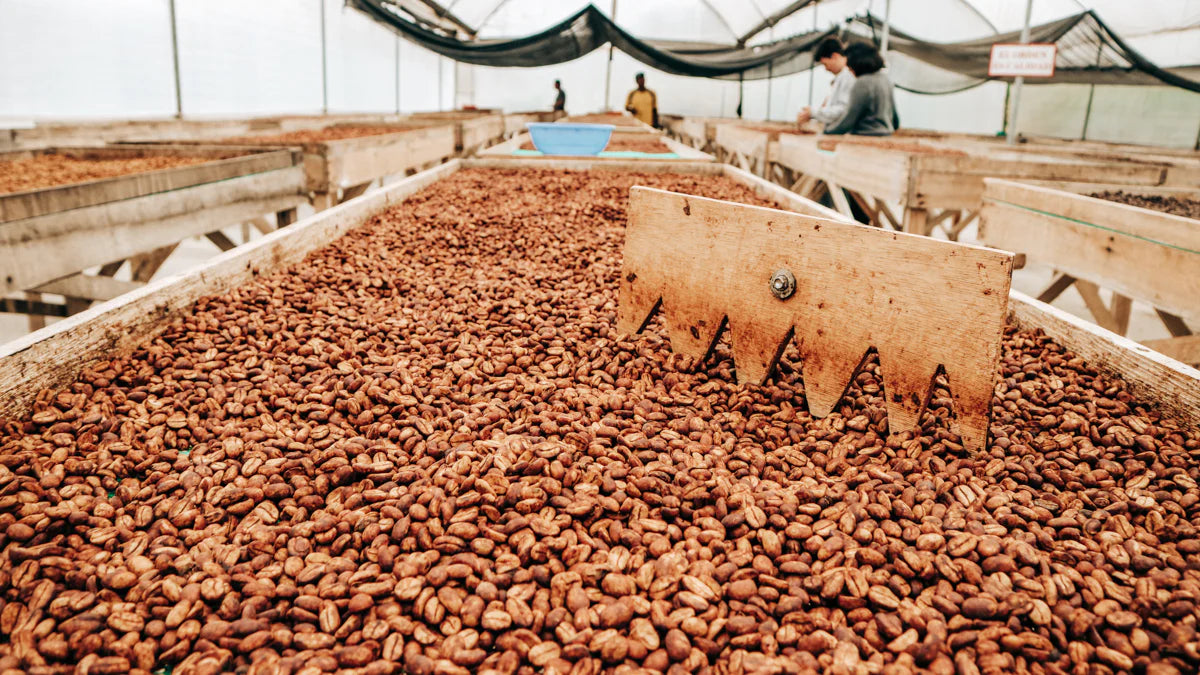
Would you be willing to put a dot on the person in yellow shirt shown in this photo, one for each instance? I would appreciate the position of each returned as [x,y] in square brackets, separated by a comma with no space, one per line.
[642,103]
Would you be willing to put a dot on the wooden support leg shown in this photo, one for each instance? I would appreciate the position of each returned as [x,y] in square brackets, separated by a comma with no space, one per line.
[285,217]
[144,265]
[245,230]
[1175,325]
[839,200]
[1120,309]
[915,221]
[883,210]
[354,191]
[1061,283]
[961,222]
[872,214]
[1110,319]
[323,200]
[263,225]
[224,243]
[36,321]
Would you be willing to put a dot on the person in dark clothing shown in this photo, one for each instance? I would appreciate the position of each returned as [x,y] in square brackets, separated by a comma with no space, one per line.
[560,101]
[872,107]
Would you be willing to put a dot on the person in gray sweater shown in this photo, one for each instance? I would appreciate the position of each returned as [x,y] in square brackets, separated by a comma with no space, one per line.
[872,107]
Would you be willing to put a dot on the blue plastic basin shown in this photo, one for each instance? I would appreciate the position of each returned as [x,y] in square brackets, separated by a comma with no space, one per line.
[554,138]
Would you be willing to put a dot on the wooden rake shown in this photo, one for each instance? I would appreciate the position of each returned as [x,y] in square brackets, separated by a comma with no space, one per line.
[836,288]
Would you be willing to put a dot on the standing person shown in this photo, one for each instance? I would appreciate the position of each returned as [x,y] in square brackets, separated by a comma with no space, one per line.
[831,54]
[872,107]
[642,103]
[560,101]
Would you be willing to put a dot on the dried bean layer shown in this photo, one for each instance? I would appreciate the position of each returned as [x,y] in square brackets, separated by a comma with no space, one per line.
[426,450]
[335,133]
[50,170]
[1179,206]
[647,143]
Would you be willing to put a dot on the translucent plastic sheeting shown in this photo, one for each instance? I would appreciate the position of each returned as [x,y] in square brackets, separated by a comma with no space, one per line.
[83,59]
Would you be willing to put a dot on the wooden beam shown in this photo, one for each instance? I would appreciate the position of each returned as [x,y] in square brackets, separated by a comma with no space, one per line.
[144,265]
[882,207]
[839,199]
[1120,308]
[1185,349]
[87,287]
[915,221]
[1090,293]
[33,308]
[1060,283]
[36,320]
[222,242]
[1175,324]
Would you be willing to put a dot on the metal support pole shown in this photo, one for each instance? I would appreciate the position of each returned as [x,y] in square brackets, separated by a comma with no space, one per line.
[1011,136]
[1087,116]
[887,27]
[812,72]
[770,74]
[175,62]
[608,70]
[324,67]
[396,80]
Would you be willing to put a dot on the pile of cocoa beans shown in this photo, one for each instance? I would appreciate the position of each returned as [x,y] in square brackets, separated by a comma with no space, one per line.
[426,450]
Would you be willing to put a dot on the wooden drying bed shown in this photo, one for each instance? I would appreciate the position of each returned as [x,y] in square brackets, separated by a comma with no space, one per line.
[49,236]
[675,151]
[38,362]
[752,146]
[341,161]
[514,123]
[624,122]
[1137,253]
[473,129]
[937,185]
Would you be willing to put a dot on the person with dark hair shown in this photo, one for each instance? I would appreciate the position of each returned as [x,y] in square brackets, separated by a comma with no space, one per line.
[642,103]
[832,55]
[871,110]
[560,101]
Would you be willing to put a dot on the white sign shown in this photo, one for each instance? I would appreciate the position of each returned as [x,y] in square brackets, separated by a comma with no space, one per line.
[1018,60]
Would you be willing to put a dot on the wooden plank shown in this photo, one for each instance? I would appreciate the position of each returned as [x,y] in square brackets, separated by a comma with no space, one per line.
[34,308]
[916,221]
[34,362]
[1090,293]
[1163,271]
[33,203]
[1060,283]
[144,265]
[591,163]
[878,173]
[36,319]
[1132,220]
[361,160]
[1175,325]
[38,250]
[1185,349]
[1120,308]
[783,197]
[922,303]
[88,287]
[222,242]
[1172,387]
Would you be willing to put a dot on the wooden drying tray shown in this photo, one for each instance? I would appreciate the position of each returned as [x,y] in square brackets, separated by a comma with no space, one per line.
[684,153]
[937,184]
[36,362]
[73,134]
[754,146]
[622,121]
[514,123]
[1139,254]
[49,236]
[338,170]
[1182,166]
[473,129]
